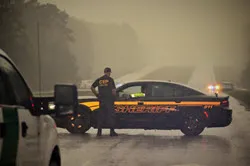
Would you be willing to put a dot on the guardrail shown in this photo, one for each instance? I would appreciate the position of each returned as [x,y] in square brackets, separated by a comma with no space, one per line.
[241,89]
[242,95]
[51,93]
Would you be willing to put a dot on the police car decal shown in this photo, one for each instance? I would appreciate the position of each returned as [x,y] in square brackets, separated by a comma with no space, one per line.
[9,135]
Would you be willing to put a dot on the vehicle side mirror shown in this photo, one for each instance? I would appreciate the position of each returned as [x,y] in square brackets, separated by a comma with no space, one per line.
[66,99]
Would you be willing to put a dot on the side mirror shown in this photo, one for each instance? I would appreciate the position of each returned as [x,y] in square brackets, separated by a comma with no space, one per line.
[66,99]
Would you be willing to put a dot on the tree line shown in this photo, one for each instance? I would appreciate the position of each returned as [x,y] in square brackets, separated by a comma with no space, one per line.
[246,73]
[70,49]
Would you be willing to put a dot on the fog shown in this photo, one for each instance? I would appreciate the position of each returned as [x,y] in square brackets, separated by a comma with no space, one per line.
[175,31]
[76,39]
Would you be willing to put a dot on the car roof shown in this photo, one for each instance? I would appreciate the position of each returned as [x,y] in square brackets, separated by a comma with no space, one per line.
[3,54]
[162,81]
[151,81]
[226,82]
[157,81]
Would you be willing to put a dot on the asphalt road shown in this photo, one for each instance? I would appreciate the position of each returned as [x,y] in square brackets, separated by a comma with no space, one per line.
[215,147]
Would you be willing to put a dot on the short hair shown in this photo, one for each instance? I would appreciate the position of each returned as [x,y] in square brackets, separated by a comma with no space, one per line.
[107,70]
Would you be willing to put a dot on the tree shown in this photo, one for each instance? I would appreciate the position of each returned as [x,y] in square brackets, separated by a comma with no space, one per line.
[105,44]
[12,33]
[246,72]
[82,47]
[54,42]
[19,39]
[115,46]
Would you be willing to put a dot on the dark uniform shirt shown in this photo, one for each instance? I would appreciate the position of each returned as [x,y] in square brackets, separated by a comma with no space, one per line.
[105,85]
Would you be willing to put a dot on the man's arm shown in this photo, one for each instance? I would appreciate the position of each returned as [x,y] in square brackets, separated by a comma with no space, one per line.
[113,87]
[93,86]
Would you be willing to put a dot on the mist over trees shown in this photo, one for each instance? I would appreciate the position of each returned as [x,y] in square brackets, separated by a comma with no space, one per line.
[70,49]
[246,73]
[19,38]
[105,44]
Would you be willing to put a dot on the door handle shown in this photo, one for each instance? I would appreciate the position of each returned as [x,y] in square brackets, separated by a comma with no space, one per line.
[2,130]
[140,103]
[24,129]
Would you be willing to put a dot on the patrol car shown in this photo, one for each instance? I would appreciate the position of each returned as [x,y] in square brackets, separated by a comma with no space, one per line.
[227,86]
[28,135]
[151,104]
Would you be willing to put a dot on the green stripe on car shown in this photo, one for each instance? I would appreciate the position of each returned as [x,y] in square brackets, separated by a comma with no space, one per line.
[11,136]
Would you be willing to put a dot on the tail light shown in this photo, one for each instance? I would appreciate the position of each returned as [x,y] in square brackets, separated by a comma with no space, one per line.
[224,103]
[32,102]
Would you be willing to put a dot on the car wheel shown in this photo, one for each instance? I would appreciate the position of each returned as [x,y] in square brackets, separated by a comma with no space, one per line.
[193,125]
[79,123]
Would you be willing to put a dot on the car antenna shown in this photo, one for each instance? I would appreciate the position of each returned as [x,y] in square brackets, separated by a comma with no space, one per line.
[216,94]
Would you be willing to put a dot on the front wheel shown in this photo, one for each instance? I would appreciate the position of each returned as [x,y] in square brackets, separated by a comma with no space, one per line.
[79,123]
[193,125]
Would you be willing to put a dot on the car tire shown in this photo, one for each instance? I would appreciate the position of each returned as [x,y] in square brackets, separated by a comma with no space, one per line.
[55,159]
[80,123]
[193,124]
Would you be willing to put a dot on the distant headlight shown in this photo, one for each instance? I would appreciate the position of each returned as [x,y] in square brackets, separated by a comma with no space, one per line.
[217,87]
[210,87]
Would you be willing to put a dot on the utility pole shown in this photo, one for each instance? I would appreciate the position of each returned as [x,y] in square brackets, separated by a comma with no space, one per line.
[39,58]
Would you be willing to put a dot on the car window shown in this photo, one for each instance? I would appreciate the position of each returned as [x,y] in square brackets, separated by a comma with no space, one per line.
[130,90]
[227,85]
[181,91]
[133,91]
[172,90]
[162,90]
[6,96]
[15,83]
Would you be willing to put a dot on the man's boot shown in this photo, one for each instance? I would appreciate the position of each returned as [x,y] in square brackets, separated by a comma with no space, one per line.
[113,133]
[99,133]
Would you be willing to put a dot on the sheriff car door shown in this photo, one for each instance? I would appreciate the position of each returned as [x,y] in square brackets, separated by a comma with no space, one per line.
[130,111]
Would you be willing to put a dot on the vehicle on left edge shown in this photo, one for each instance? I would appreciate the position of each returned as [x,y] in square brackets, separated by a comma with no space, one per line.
[28,134]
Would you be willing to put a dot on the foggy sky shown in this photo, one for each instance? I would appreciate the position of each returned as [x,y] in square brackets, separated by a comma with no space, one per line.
[175,31]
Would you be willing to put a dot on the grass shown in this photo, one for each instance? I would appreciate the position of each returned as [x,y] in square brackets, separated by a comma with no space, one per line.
[242,95]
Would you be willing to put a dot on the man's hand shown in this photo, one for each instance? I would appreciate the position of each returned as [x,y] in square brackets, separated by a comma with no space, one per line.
[114,92]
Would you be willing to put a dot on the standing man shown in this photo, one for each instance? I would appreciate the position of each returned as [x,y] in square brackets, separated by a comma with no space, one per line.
[106,97]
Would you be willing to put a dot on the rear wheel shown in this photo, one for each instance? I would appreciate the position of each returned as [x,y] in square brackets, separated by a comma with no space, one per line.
[79,123]
[193,124]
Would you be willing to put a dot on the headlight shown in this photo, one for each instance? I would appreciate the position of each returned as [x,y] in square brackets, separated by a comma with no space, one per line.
[51,106]
[217,87]
[210,87]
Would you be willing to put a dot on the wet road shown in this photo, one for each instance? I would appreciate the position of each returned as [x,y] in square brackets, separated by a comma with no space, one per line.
[215,147]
